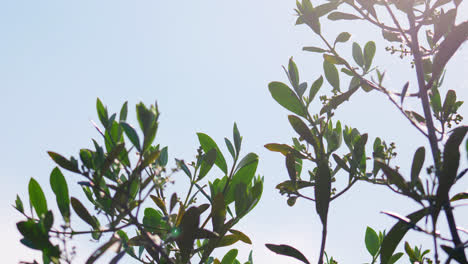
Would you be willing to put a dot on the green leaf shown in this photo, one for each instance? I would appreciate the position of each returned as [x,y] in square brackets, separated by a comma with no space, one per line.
[316,85]
[230,147]
[19,204]
[242,237]
[189,227]
[131,134]
[303,130]
[163,157]
[418,162]
[357,54]
[395,257]
[449,102]
[290,165]
[369,52]
[314,49]
[334,59]
[396,234]
[208,161]
[83,213]
[372,241]
[322,190]
[237,138]
[37,197]
[293,74]
[331,74]
[60,188]
[207,143]
[227,240]
[148,121]
[342,16]
[343,37]
[248,159]
[341,162]
[63,162]
[152,219]
[102,112]
[394,177]
[218,212]
[123,112]
[326,8]
[230,257]
[286,98]
[289,251]
[459,196]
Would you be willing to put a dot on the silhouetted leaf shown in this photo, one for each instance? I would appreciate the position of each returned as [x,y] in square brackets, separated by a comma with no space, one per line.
[403,92]
[459,196]
[453,253]
[290,165]
[396,234]
[287,251]
[448,47]
[101,250]
[322,190]
[418,162]
[390,36]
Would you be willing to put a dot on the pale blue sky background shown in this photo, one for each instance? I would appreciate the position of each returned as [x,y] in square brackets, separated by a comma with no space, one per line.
[208,63]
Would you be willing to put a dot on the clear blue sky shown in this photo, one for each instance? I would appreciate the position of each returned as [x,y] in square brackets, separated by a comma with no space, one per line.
[207,63]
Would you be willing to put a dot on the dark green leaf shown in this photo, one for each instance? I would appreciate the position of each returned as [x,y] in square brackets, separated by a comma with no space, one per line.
[449,102]
[394,177]
[63,162]
[396,234]
[287,251]
[403,92]
[303,130]
[131,134]
[290,165]
[286,98]
[357,54]
[83,213]
[331,74]
[230,147]
[341,162]
[189,227]
[218,212]
[455,254]
[19,204]
[418,162]
[207,162]
[230,257]
[444,24]
[314,49]
[207,143]
[163,157]
[227,240]
[395,258]
[451,162]
[60,188]
[237,138]
[152,219]
[459,196]
[372,241]
[342,16]
[248,159]
[123,112]
[322,190]
[102,112]
[37,197]
[339,99]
